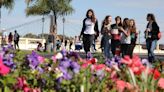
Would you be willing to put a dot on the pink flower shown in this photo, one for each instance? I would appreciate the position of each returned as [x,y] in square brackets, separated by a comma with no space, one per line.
[120,85]
[134,63]
[113,75]
[161,83]
[41,59]
[19,83]
[26,89]
[129,86]
[99,67]
[108,69]
[1,60]
[85,65]
[4,70]
[36,90]
[53,58]
[126,60]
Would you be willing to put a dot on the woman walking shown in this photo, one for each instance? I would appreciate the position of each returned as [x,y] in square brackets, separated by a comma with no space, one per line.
[106,35]
[89,30]
[116,30]
[151,36]
[125,37]
[10,38]
[133,37]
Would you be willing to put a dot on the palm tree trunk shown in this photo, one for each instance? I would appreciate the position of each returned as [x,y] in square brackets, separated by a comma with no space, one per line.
[0,16]
[55,30]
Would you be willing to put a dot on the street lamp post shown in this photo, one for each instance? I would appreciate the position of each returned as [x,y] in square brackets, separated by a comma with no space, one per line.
[63,31]
[0,18]
[43,19]
[139,41]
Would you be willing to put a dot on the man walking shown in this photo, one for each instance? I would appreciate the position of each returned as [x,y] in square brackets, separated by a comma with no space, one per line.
[16,39]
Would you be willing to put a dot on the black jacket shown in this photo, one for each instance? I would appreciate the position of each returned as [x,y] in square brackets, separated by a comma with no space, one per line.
[155,30]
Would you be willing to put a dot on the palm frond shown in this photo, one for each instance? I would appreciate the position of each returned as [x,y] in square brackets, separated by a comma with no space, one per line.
[8,4]
[59,7]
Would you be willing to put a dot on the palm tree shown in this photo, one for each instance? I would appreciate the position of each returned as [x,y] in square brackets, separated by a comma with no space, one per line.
[44,7]
[8,4]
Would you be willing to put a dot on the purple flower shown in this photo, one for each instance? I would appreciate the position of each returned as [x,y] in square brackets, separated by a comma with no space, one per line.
[108,62]
[89,55]
[40,69]
[114,61]
[74,54]
[65,64]
[75,66]
[8,60]
[10,46]
[67,76]
[63,69]
[64,52]
[33,61]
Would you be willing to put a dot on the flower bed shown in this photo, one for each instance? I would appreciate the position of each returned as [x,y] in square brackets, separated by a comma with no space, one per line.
[68,72]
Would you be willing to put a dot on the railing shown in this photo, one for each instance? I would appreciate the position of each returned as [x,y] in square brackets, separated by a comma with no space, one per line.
[29,43]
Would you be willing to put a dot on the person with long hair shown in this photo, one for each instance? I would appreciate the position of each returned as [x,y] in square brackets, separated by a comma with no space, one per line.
[89,30]
[133,37]
[106,35]
[10,38]
[125,37]
[151,36]
[115,41]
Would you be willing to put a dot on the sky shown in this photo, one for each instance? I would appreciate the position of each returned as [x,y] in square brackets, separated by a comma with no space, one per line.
[135,9]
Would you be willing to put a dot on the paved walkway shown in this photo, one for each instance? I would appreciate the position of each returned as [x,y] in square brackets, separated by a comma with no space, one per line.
[82,54]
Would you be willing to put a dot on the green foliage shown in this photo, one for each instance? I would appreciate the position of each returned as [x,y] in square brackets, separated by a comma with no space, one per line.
[42,7]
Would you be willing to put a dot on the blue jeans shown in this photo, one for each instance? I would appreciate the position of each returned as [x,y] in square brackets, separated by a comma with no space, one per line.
[151,46]
[107,47]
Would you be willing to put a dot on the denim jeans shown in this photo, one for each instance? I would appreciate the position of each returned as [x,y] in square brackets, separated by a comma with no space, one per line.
[107,47]
[50,47]
[151,46]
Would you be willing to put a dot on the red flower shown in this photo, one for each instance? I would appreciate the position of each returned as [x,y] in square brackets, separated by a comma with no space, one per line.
[156,74]
[161,83]
[93,61]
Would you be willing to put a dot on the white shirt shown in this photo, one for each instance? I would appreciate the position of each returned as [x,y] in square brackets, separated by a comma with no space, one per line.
[125,39]
[4,35]
[89,27]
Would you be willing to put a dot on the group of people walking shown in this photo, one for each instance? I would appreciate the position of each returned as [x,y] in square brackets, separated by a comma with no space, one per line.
[119,38]
[9,39]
